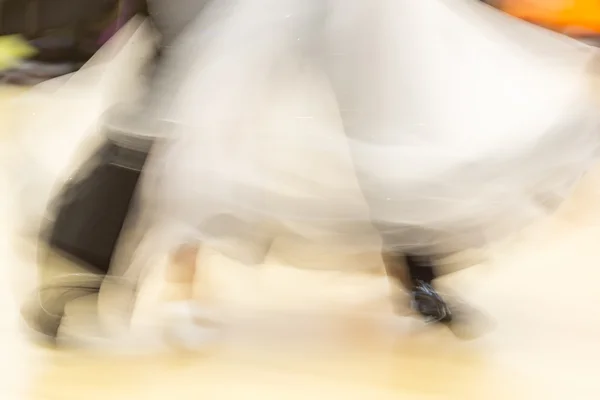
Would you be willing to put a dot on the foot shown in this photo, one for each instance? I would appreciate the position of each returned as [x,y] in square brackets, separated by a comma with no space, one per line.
[429,304]
[190,327]
[463,321]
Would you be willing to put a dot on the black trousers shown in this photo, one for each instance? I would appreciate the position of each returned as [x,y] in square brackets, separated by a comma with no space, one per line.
[93,207]
[91,211]
[405,267]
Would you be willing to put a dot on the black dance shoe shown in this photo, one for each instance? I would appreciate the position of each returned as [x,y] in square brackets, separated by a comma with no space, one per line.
[463,321]
[429,304]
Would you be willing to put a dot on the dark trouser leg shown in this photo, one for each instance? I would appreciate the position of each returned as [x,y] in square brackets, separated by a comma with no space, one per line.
[408,269]
[93,209]
[405,267]
[420,268]
[417,273]
[90,216]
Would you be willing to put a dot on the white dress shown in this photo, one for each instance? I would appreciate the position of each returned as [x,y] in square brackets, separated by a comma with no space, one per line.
[443,122]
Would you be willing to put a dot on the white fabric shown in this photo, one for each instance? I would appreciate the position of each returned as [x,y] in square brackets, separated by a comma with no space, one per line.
[59,120]
[461,124]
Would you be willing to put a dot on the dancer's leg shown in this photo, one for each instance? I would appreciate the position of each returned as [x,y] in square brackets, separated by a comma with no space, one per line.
[180,274]
[190,323]
[416,274]
[409,269]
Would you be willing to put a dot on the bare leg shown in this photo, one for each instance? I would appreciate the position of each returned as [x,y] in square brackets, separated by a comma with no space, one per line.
[181,273]
[190,322]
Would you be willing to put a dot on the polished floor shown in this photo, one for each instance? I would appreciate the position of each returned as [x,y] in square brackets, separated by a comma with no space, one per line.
[311,334]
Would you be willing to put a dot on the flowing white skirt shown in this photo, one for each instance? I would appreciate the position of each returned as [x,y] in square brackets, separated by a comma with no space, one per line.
[443,123]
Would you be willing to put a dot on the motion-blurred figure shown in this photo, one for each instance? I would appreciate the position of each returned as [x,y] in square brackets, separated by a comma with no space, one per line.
[445,124]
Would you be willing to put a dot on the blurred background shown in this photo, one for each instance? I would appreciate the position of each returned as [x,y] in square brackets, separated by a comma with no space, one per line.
[44,38]
[546,341]
[578,18]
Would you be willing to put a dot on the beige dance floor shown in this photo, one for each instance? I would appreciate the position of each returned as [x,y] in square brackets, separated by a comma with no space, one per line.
[316,334]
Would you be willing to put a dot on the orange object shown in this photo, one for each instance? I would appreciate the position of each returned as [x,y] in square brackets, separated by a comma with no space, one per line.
[576,17]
